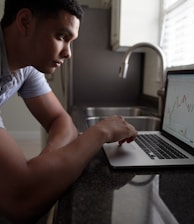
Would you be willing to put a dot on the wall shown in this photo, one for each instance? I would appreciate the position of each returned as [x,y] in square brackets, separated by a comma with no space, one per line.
[96,66]
[96,3]
[139,22]
[129,17]
[1,7]
[17,117]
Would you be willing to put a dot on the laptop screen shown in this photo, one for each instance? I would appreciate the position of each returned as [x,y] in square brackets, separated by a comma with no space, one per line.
[178,118]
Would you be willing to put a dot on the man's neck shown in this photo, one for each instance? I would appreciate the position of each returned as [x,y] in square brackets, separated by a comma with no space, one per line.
[15,55]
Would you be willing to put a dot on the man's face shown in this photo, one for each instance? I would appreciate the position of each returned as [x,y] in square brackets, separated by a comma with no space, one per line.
[50,41]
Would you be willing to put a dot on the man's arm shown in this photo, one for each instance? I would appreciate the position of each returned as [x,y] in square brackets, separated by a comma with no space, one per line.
[56,121]
[29,188]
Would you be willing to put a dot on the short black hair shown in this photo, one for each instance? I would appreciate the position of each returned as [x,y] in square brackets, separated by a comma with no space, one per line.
[41,8]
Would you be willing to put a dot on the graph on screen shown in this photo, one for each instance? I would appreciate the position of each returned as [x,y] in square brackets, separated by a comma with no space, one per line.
[179,109]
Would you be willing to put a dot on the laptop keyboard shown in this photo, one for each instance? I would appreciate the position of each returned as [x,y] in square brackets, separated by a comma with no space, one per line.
[156,148]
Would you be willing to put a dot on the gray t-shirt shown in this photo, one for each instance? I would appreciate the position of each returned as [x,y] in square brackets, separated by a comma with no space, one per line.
[28,81]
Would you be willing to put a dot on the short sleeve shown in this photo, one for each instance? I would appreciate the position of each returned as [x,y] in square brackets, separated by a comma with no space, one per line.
[35,83]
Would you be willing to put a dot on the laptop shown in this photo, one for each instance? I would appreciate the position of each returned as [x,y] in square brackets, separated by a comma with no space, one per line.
[176,134]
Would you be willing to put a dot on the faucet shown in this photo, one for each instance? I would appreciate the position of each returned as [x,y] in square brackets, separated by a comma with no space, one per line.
[124,68]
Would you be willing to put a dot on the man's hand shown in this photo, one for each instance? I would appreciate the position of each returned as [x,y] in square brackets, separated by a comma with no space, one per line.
[117,129]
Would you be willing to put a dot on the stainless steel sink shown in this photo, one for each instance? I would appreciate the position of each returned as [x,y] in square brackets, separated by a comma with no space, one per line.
[143,118]
[124,111]
[141,123]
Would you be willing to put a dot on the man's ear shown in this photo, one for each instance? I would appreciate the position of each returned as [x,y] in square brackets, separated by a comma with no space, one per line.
[24,20]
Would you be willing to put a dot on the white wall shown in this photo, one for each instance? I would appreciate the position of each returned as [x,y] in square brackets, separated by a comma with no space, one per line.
[1,7]
[17,117]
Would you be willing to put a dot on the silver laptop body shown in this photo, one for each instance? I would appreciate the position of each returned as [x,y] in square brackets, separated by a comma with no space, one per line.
[177,128]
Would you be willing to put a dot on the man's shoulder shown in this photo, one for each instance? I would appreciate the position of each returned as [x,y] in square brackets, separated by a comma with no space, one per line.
[29,69]
[28,72]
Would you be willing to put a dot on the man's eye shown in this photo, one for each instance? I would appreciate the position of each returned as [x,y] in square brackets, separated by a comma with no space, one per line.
[62,37]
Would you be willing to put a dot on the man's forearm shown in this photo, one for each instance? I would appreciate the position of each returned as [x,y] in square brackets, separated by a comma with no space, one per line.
[61,132]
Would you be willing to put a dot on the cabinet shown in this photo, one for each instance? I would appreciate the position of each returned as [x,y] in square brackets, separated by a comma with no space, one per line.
[133,22]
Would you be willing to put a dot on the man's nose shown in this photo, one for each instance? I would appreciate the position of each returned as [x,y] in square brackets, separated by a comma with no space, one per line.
[66,52]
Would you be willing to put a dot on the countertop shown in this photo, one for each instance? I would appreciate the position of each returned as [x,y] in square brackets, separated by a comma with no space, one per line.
[102,195]
[105,196]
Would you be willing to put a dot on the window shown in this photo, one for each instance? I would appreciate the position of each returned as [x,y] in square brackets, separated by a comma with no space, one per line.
[177,39]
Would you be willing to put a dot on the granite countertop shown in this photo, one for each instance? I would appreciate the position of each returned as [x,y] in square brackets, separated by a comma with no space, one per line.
[105,196]
[137,196]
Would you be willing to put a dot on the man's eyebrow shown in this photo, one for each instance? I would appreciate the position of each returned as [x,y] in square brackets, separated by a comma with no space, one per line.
[68,31]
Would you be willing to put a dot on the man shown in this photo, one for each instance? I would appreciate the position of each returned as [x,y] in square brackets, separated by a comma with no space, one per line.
[35,39]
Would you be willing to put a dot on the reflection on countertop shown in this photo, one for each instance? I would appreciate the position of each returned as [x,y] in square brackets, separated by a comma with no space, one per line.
[106,196]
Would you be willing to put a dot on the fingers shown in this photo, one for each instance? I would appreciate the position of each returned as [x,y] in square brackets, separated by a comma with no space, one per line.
[132,134]
[121,141]
[128,140]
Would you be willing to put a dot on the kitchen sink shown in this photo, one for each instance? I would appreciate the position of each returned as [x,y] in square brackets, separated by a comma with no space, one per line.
[141,123]
[124,111]
[142,118]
